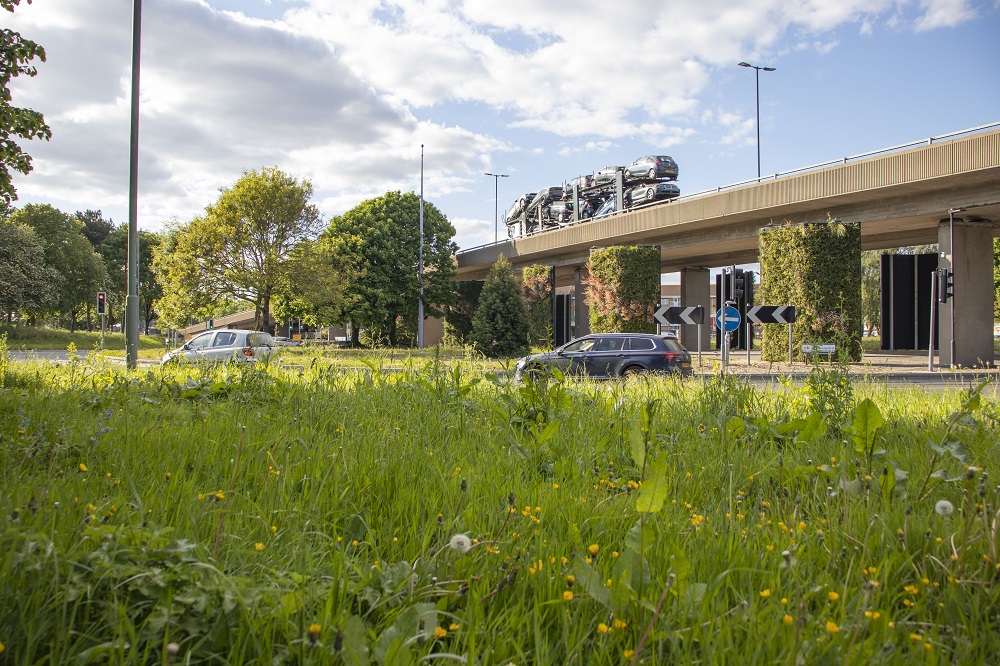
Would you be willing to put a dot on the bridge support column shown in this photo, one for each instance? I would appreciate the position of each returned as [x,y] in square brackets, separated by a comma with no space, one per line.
[582,310]
[696,290]
[965,322]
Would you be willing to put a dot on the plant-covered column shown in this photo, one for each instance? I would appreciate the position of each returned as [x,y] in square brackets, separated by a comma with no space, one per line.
[816,268]
[623,289]
[537,290]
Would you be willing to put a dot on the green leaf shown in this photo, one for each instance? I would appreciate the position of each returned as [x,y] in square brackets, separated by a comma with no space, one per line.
[591,581]
[638,443]
[653,491]
[736,427]
[355,646]
[864,427]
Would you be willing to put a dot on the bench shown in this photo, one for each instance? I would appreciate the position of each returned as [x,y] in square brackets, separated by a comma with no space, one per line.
[825,349]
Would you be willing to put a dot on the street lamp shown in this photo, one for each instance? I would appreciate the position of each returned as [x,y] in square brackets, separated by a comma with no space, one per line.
[757,75]
[496,203]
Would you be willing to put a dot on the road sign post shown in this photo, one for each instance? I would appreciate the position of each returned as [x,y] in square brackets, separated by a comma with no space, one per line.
[727,319]
[774,314]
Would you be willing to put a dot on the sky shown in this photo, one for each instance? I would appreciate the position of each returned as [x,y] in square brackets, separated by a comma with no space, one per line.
[344,93]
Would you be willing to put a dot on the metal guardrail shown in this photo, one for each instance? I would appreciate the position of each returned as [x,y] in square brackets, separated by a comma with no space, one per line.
[770,177]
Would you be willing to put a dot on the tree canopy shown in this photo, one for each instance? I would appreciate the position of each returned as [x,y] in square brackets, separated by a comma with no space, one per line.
[16,54]
[240,250]
[79,270]
[500,325]
[26,282]
[380,241]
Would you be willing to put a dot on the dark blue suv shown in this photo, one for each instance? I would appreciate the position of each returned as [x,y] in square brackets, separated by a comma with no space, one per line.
[604,355]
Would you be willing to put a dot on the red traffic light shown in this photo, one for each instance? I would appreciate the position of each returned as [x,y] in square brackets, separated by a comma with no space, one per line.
[101,301]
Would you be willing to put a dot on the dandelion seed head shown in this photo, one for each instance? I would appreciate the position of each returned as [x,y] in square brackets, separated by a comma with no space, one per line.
[460,542]
[944,508]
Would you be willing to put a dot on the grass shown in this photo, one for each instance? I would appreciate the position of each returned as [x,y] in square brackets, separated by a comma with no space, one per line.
[261,515]
[43,338]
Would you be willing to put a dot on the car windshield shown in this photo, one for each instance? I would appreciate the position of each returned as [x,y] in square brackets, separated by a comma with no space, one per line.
[224,339]
[580,345]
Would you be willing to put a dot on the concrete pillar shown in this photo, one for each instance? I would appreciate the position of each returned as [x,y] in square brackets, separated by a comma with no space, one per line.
[582,310]
[696,290]
[965,322]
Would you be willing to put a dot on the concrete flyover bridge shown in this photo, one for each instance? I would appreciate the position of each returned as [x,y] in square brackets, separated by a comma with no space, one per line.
[942,190]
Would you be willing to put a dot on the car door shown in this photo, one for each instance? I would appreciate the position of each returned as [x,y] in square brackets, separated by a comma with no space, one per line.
[222,347]
[572,358]
[194,348]
[606,358]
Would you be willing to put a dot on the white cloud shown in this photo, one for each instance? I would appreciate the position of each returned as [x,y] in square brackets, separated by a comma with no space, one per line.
[943,14]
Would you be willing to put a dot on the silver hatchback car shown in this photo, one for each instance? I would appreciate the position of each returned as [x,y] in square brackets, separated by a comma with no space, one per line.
[223,345]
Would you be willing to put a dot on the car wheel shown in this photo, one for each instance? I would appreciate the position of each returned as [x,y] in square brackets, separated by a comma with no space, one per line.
[628,174]
[650,194]
[652,174]
[631,371]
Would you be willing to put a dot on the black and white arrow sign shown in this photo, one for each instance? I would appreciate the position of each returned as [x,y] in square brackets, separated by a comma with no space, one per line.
[771,314]
[680,315]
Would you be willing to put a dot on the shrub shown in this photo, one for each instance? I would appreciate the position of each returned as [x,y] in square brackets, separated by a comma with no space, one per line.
[500,325]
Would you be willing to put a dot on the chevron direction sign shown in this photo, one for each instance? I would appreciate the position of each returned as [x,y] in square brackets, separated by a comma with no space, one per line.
[771,314]
[680,315]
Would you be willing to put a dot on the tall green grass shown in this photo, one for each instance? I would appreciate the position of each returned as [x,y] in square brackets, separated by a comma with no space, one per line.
[261,515]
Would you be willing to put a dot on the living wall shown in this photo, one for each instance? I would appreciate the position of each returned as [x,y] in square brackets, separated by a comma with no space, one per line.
[536,285]
[623,289]
[817,268]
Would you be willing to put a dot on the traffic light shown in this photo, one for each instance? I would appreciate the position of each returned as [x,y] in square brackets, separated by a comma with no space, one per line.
[739,284]
[101,302]
[946,284]
[748,287]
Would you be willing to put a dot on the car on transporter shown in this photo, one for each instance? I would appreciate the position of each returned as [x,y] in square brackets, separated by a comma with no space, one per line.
[610,355]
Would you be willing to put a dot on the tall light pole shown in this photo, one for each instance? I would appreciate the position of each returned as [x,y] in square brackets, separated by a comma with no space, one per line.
[757,75]
[420,258]
[496,203]
[132,270]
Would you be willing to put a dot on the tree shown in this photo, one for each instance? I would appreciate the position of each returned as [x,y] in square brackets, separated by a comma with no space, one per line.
[317,282]
[114,253]
[95,228]
[500,326]
[16,54]
[80,272]
[240,250]
[26,283]
[380,239]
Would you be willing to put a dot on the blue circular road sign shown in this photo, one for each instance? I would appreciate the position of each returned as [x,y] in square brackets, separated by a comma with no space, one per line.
[732,319]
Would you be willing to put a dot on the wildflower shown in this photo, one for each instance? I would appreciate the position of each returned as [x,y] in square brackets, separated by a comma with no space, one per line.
[219,496]
[314,630]
[788,619]
[916,637]
[453,627]
[944,508]
[555,486]
[628,654]
[833,596]
[603,628]
[168,476]
[460,542]
[440,632]
[593,548]
[614,554]
[568,595]
[258,547]
[274,529]
[912,589]
[764,594]
[832,627]
[82,467]
[619,624]
[354,543]
[570,580]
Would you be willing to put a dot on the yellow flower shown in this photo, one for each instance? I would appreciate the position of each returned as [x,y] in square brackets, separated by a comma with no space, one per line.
[314,630]
[832,627]
[274,528]
[764,594]
[219,496]
[628,654]
[784,601]
[1,648]
[453,627]
[614,554]
[603,628]
[568,595]
[916,637]
[82,467]
[593,548]
[620,624]
[833,596]
[788,619]
[555,486]
[258,547]
[912,589]
[440,632]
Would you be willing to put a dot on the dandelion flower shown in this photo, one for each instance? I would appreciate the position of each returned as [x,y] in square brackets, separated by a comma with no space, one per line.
[258,547]
[628,654]
[603,628]
[460,542]
[620,624]
[833,596]
[764,594]
[593,549]
[788,619]
[82,467]
[314,630]
[440,632]
[1,648]
[568,595]
[944,508]
[832,627]
[453,627]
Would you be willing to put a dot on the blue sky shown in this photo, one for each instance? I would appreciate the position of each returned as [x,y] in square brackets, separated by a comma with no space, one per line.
[345,93]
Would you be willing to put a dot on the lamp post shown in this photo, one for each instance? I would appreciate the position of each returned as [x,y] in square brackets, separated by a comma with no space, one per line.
[757,76]
[496,203]
[420,258]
